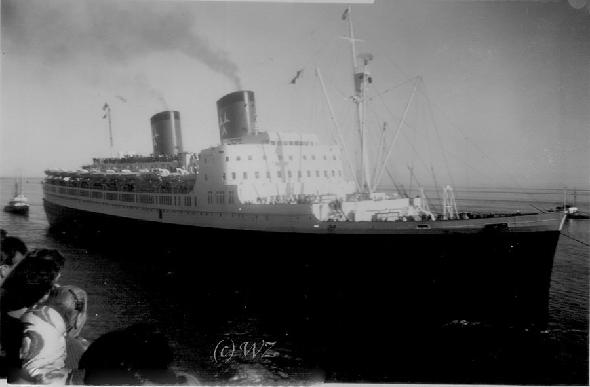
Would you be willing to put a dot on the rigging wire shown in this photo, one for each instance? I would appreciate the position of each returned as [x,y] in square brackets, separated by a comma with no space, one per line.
[399,188]
[399,129]
[437,131]
[405,136]
[391,89]
[437,190]
[445,152]
[428,166]
[572,238]
[468,140]
[337,127]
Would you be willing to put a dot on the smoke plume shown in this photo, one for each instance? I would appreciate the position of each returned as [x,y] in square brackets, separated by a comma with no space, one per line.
[117,31]
[142,86]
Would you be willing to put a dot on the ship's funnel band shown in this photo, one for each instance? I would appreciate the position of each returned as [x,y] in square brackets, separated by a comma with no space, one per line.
[166,133]
[236,113]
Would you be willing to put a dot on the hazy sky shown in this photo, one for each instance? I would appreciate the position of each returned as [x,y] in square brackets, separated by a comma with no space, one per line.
[505,98]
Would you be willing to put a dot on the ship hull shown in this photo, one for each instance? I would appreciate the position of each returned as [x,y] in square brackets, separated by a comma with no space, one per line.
[489,275]
[18,210]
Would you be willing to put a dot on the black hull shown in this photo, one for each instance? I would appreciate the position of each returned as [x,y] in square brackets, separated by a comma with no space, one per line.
[17,210]
[402,287]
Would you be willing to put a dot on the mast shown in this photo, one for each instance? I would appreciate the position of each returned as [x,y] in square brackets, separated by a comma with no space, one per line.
[361,77]
[107,109]
[110,129]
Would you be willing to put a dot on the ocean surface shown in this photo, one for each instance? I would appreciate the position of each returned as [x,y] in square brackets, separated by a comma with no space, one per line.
[126,287]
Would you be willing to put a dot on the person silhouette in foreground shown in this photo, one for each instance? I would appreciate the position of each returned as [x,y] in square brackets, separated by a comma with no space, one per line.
[12,252]
[28,284]
[50,346]
[137,355]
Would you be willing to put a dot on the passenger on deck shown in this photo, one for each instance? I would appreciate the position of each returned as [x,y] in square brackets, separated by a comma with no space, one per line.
[72,303]
[51,347]
[27,284]
[136,355]
[12,251]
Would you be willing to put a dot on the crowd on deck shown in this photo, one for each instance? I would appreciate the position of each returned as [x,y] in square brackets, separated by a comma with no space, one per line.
[41,323]
[149,182]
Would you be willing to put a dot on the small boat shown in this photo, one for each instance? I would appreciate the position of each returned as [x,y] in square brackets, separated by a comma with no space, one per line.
[19,203]
[571,211]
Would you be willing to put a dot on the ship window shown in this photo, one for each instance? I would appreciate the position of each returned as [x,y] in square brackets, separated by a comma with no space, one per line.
[280,157]
[290,157]
[334,157]
[339,173]
[233,175]
[279,174]
[166,200]
[205,177]
[205,160]
[264,157]
[313,157]
[325,173]
[195,201]
[187,201]
[249,157]
[224,177]
[325,158]
[230,199]
[219,197]
[304,157]
[210,197]
[238,158]
[268,175]
[245,175]
[333,173]
[299,174]
[308,173]
[317,173]
[257,175]
[226,158]
[289,174]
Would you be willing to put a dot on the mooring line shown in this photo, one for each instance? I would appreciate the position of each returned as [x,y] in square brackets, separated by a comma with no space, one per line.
[577,240]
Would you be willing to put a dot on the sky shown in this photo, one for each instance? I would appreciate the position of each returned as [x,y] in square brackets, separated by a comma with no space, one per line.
[502,98]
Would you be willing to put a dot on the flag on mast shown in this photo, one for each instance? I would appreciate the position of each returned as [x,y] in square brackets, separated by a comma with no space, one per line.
[345,14]
[297,75]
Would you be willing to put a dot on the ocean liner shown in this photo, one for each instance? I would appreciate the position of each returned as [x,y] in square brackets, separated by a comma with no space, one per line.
[280,205]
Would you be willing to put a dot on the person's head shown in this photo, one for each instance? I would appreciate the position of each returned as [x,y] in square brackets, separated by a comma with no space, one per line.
[12,251]
[32,279]
[136,355]
[72,304]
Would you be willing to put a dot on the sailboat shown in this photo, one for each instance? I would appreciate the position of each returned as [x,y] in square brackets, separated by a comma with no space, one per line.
[19,203]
